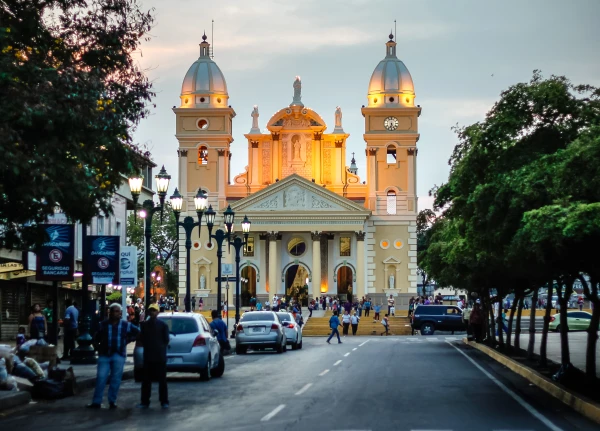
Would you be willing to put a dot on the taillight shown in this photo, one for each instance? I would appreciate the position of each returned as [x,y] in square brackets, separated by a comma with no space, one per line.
[552,319]
[290,325]
[199,341]
[275,326]
[240,328]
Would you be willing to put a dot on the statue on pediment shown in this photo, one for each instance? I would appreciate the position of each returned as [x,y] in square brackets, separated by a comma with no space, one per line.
[254,116]
[297,92]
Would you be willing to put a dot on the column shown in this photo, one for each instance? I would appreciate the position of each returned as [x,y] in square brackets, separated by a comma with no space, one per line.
[372,178]
[412,179]
[316,264]
[360,265]
[254,163]
[221,175]
[273,282]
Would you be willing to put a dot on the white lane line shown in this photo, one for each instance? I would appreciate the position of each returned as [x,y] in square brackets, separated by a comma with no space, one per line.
[273,413]
[338,362]
[304,389]
[323,373]
[454,339]
[360,345]
[543,419]
[347,354]
[354,349]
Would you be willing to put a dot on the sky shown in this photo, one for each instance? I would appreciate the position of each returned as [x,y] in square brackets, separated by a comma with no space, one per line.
[461,54]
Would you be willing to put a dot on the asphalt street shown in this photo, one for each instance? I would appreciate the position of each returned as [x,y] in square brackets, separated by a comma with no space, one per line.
[366,383]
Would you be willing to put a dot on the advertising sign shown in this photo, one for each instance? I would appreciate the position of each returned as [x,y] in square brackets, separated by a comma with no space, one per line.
[55,258]
[103,255]
[128,266]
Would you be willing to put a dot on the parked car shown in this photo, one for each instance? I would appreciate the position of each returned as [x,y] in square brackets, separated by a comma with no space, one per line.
[576,321]
[260,329]
[193,348]
[293,331]
[429,318]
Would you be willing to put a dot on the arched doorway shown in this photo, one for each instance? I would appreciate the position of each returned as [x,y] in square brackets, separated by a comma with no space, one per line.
[248,285]
[296,284]
[344,283]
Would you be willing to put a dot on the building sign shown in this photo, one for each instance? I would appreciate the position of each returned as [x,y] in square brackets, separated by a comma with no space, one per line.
[10,266]
[128,266]
[227,269]
[55,258]
[103,259]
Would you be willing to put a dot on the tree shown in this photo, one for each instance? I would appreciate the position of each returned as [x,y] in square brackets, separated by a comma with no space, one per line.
[71,95]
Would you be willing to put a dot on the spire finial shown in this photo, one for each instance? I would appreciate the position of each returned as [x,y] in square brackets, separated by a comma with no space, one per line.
[391,36]
[204,36]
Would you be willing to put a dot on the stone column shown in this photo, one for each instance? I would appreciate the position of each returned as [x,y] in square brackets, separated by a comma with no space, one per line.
[254,164]
[222,174]
[316,264]
[360,265]
[412,179]
[273,281]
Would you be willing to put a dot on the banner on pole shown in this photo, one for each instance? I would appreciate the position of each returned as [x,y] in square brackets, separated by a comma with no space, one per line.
[128,266]
[55,257]
[103,254]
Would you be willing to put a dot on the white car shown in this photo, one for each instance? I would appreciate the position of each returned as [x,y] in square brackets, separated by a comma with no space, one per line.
[293,331]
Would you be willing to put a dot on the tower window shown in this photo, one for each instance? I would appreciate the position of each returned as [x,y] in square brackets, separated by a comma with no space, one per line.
[391,99]
[391,155]
[391,202]
[202,99]
[375,100]
[202,124]
[203,156]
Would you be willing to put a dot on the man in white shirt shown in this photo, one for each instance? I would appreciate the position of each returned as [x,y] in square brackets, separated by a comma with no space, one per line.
[391,306]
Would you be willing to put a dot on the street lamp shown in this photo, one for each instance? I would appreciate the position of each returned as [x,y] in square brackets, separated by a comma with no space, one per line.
[135,185]
[188,225]
[162,185]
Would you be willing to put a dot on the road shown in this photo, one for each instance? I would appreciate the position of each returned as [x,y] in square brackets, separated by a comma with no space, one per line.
[366,383]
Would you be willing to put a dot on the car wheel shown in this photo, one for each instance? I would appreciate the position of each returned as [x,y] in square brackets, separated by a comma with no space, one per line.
[205,373]
[295,345]
[299,345]
[138,375]
[218,372]
[279,348]
[427,328]
[284,347]
[557,328]
[240,350]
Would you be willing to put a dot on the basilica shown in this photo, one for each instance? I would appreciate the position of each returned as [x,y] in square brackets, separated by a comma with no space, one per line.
[317,227]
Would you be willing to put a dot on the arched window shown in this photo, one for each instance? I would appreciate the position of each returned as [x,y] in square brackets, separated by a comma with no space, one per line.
[391,155]
[391,202]
[203,155]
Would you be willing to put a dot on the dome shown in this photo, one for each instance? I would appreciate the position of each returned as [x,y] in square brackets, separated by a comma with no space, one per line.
[204,84]
[391,83]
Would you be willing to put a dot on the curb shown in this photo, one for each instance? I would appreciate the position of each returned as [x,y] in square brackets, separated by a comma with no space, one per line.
[580,404]
[14,400]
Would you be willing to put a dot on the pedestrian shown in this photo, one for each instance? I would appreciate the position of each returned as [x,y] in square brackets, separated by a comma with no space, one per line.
[334,323]
[360,308]
[259,305]
[354,322]
[411,306]
[220,329]
[70,324]
[193,303]
[38,327]
[48,312]
[252,303]
[154,335]
[367,307]
[377,309]
[386,324]
[476,321]
[311,306]
[391,305]
[580,302]
[111,343]
[21,336]
[345,323]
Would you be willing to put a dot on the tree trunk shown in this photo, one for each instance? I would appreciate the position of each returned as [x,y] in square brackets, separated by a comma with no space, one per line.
[543,345]
[510,321]
[590,353]
[518,328]
[532,318]
[565,352]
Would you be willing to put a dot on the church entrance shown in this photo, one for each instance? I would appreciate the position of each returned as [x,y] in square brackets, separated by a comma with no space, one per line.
[344,283]
[248,285]
[296,283]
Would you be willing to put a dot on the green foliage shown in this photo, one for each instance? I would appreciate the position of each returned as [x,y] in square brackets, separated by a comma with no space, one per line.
[71,95]
[114,297]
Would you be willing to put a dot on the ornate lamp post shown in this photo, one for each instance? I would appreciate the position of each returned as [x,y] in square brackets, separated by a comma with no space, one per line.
[188,225]
[162,185]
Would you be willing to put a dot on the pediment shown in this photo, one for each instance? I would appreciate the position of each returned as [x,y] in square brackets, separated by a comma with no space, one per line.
[391,260]
[296,194]
[288,119]
[202,261]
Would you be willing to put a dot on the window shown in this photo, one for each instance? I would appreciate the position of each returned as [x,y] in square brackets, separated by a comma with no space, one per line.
[296,247]
[202,123]
[249,247]
[118,229]
[100,225]
[203,155]
[391,202]
[391,155]
[178,325]
[345,246]
[257,316]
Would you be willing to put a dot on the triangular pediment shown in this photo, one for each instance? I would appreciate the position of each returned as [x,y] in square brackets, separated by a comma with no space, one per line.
[391,259]
[296,194]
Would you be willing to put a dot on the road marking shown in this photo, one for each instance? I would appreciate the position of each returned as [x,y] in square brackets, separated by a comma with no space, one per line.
[323,373]
[454,339]
[338,362]
[273,413]
[360,345]
[354,349]
[543,419]
[304,389]
[346,354]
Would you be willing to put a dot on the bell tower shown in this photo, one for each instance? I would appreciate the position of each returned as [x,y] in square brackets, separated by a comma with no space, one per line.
[391,135]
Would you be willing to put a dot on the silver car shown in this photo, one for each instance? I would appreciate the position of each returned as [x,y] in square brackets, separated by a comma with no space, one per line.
[259,330]
[193,348]
[293,331]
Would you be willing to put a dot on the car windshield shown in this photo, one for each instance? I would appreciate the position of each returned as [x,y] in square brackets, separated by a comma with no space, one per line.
[285,317]
[254,317]
[186,325]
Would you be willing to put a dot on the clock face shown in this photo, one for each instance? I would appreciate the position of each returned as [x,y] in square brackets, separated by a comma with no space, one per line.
[391,123]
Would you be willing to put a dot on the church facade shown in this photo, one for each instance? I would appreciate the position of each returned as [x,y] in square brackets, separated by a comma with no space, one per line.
[314,221]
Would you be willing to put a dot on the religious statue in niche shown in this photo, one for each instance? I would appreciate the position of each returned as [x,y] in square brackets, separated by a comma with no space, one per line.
[202,282]
[254,116]
[296,147]
[391,281]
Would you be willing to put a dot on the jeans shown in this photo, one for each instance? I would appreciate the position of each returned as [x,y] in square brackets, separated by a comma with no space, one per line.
[334,331]
[155,371]
[112,365]
[345,327]
[354,328]
[367,310]
[69,341]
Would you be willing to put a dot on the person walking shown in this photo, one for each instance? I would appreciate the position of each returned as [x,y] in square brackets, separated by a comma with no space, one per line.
[220,329]
[48,313]
[193,303]
[411,306]
[476,321]
[386,324]
[154,335]
[354,322]
[367,307]
[334,323]
[70,325]
[38,327]
[345,323]
[111,343]
[377,309]
[359,308]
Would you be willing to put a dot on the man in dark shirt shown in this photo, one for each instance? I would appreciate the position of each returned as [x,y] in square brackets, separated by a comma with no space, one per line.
[155,339]
[220,328]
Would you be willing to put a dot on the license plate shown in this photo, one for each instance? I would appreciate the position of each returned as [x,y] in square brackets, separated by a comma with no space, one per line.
[174,360]
[258,329]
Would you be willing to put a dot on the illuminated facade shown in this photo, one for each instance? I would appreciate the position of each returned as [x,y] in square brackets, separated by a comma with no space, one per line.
[314,221]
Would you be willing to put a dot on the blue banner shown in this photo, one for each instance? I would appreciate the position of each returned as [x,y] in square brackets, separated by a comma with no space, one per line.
[55,258]
[103,259]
